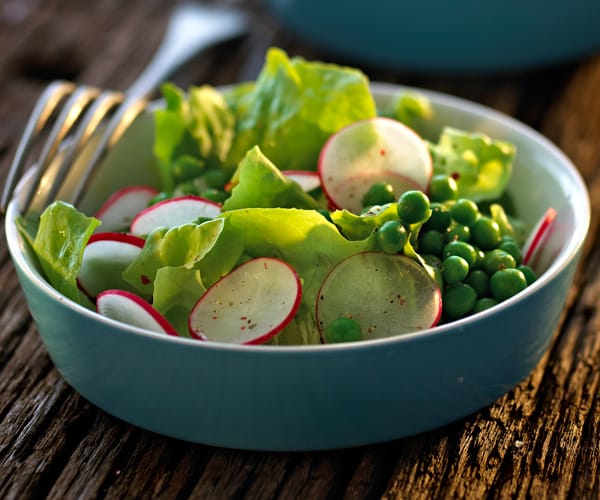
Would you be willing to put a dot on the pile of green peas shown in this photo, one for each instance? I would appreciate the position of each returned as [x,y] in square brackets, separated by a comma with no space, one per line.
[476,265]
[207,183]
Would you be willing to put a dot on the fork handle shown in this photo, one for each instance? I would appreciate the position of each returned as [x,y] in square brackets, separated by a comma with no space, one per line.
[192,28]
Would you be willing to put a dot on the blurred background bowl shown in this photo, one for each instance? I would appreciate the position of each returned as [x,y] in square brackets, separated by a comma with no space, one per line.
[439,36]
[331,396]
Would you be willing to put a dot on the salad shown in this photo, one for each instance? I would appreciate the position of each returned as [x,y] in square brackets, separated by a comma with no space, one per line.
[293,210]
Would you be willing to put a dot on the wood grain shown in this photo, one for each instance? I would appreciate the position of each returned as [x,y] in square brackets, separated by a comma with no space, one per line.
[540,440]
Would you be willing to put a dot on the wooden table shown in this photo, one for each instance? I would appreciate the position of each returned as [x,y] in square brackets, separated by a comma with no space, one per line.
[541,440]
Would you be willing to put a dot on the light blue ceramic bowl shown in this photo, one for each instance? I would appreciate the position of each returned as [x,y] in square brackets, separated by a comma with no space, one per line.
[322,397]
[462,36]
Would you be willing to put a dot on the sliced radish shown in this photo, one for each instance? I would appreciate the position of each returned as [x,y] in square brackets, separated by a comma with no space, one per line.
[250,305]
[308,179]
[174,212]
[535,242]
[386,294]
[118,211]
[105,257]
[369,151]
[129,308]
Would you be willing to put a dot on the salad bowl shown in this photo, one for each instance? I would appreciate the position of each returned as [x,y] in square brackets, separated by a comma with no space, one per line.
[321,396]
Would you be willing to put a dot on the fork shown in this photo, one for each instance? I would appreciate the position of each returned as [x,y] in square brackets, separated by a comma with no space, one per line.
[81,112]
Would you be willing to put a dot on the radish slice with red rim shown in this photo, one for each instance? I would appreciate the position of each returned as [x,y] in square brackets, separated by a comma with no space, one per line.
[538,236]
[308,179]
[386,294]
[249,305]
[131,309]
[174,212]
[369,151]
[105,257]
[117,212]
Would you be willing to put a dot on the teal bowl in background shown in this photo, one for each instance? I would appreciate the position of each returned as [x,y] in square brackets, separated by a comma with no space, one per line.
[438,36]
[332,396]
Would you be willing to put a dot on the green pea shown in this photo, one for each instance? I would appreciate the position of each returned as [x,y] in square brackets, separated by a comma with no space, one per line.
[461,248]
[343,330]
[442,188]
[217,195]
[184,188]
[216,178]
[439,219]
[431,242]
[163,195]
[506,283]
[413,207]
[458,300]
[480,256]
[510,246]
[454,269]
[480,281]
[186,168]
[530,274]
[483,304]
[496,260]
[379,194]
[485,233]
[392,236]
[458,232]
[464,211]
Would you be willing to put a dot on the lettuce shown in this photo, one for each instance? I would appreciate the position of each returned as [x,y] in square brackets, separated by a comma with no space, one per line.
[358,227]
[176,291]
[194,132]
[181,246]
[258,183]
[59,242]
[481,166]
[294,106]
[410,108]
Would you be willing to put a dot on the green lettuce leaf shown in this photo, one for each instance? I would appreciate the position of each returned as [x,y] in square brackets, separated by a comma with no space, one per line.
[410,108]
[181,246]
[176,291]
[481,166]
[358,227]
[259,184]
[302,330]
[193,132]
[61,237]
[28,226]
[294,106]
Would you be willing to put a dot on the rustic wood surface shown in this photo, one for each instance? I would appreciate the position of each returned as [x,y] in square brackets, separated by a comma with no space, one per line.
[541,440]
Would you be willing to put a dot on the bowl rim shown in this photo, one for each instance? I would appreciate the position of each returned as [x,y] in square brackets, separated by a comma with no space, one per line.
[565,256]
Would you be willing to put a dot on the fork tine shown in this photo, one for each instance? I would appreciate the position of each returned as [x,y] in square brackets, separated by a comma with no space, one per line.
[91,121]
[40,116]
[69,114]
[119,122]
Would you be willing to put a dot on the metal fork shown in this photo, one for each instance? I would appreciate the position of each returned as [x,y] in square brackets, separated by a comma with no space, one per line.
[78,112]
